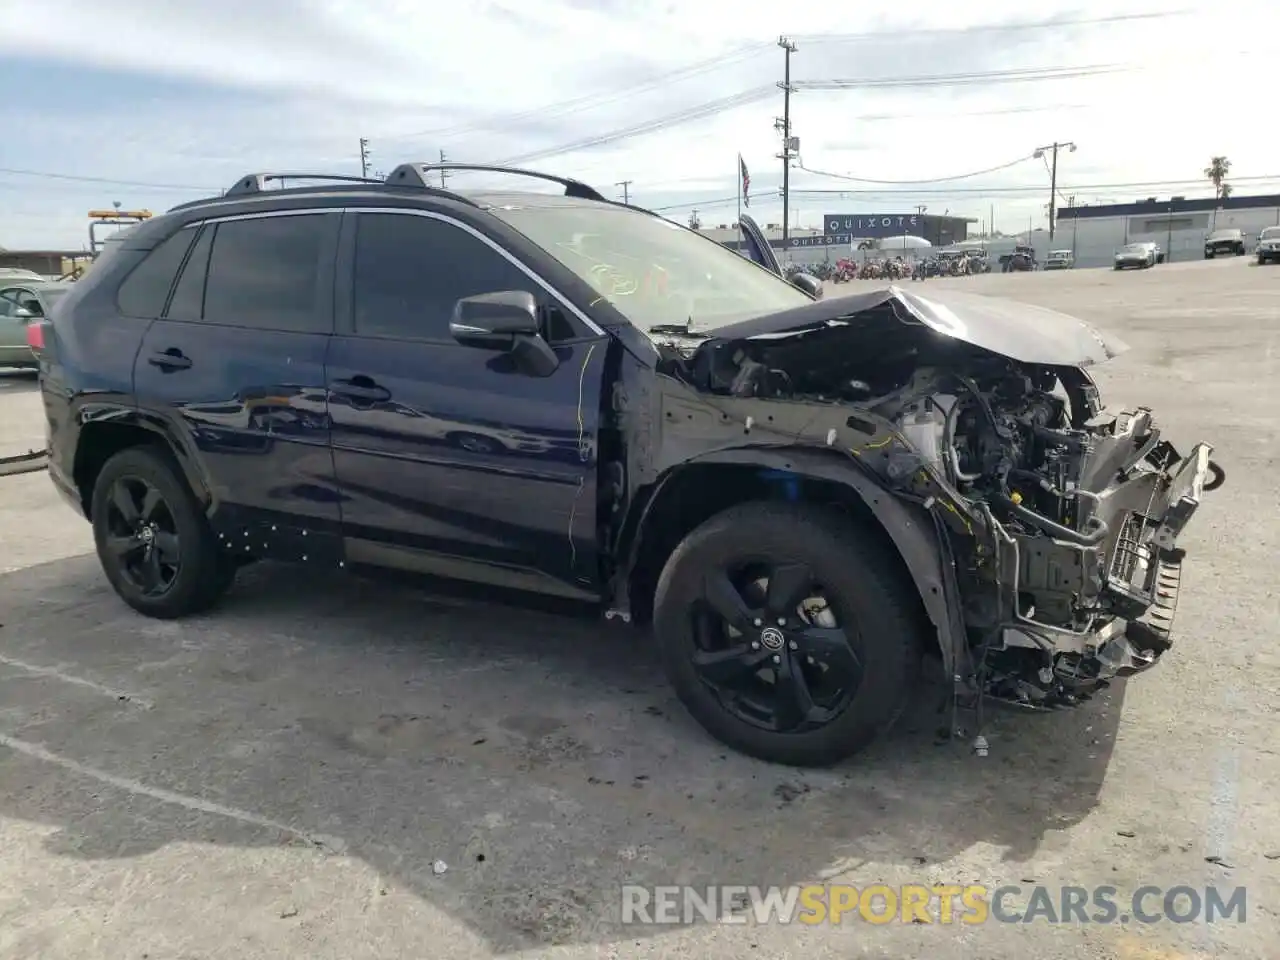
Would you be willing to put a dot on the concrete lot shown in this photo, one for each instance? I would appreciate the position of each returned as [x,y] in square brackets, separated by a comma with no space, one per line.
[277,778]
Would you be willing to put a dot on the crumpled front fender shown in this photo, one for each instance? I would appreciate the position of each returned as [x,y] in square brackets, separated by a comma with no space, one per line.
[926,556]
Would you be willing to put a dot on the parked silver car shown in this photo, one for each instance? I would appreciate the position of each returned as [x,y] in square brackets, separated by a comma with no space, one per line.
[1141,255]
[21,301]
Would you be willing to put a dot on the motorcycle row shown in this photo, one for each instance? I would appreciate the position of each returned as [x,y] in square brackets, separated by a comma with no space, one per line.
[896,268]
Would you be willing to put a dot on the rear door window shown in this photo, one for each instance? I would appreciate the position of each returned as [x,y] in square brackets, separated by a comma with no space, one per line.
[273,273]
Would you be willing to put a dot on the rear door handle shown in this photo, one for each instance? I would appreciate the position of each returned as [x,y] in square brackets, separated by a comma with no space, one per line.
[360,388]
[171,359]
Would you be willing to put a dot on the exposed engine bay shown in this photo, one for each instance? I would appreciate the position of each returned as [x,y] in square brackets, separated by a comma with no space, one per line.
[1062,517]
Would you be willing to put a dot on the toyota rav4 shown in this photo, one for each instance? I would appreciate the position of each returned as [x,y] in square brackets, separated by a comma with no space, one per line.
[803,498]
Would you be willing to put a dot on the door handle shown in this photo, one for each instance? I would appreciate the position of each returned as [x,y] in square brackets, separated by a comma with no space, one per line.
[361,389]
[171,359]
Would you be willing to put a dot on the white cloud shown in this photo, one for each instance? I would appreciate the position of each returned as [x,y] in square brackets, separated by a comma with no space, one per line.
[294,85]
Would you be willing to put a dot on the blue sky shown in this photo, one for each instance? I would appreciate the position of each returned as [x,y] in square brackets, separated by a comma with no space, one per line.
[162,103]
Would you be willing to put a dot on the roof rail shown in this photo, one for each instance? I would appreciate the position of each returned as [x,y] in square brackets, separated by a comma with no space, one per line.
[257,182]
[415,174]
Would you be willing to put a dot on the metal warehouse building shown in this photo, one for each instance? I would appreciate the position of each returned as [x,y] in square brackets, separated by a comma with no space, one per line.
[1179,225]
[841,232]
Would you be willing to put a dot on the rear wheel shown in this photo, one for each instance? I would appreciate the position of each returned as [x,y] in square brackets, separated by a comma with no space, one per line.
[154,543]
[786,633]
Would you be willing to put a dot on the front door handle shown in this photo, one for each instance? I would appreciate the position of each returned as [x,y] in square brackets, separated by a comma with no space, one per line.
[171,359]
[361,389]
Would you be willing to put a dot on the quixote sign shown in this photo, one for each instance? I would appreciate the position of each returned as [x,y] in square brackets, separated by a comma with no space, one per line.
[872,225]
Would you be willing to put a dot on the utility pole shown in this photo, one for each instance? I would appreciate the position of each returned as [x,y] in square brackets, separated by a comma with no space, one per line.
[1053,176]
[443,173]
[783,125]
[1075,225]
[626,189]
[364,157]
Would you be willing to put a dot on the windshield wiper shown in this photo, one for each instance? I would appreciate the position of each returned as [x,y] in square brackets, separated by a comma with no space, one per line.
[679,330]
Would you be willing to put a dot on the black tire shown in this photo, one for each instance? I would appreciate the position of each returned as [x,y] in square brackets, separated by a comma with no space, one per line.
[199,576]
[872,605]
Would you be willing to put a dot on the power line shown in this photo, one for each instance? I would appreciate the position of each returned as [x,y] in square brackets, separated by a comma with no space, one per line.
[959,176]
[984,78]
[897,35]
[746,51]
[47,175]
[1036,188]
[649,126]
[578,104]
[759,93]
[695,203]
[1029,191]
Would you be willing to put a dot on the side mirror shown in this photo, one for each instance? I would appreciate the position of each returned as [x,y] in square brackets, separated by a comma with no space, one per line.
[24,313]
[492,321]
[506,322]
[808,283]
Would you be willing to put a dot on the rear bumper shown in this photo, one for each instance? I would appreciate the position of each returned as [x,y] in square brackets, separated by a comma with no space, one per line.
[17,357]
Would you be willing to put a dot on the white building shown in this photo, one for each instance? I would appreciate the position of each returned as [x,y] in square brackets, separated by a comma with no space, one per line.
[1178,224]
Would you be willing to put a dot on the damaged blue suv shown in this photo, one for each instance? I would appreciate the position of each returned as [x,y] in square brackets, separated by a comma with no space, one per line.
[802,497]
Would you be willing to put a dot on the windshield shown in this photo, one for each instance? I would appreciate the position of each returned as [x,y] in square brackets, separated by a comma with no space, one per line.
[1133,248]
[1059,254]
[651,270]
[1271,233]
[1223,234]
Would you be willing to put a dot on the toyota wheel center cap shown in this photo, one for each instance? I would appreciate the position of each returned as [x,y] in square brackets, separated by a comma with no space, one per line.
[771,638]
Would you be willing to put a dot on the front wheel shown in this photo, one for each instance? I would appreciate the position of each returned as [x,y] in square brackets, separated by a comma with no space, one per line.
[787,633]
[154,543]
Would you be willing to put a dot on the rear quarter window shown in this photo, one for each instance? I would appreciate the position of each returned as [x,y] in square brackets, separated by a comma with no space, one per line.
[146,289]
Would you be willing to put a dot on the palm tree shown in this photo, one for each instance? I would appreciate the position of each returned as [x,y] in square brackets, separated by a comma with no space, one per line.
[1216,172]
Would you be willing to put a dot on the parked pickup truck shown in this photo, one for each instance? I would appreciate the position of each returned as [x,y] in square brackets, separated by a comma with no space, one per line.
[1224,243]
[802,498]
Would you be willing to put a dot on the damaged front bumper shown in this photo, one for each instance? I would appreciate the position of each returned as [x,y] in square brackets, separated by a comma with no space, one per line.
[1123,587]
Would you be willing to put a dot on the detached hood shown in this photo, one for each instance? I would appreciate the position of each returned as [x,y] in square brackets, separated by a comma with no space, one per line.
[1018,331]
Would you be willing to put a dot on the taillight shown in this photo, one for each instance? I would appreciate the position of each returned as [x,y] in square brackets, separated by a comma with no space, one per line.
[35,334]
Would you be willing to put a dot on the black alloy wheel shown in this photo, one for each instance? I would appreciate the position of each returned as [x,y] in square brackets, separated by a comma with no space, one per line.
[142,536]
[772,649]
[789,631]
[155,543]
